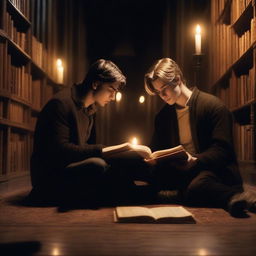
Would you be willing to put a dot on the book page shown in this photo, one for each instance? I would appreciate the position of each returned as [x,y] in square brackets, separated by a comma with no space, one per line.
[173,212]
[132,211]
[166,151]
[142,150]
[117,148]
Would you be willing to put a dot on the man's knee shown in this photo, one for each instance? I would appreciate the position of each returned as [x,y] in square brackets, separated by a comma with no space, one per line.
[93,166]
[200,184]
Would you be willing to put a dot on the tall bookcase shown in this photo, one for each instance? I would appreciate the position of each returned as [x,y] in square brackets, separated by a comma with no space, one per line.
[233,68]
[27,77]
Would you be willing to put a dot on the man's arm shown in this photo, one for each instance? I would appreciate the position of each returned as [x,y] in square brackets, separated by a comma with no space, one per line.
[58,119]
[220,151]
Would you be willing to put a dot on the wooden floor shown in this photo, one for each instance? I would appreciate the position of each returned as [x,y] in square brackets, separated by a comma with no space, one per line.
[47,231]
[27,231]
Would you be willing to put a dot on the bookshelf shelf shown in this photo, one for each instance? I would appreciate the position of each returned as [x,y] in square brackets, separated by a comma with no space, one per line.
[19,126]
[242,23]
[36,71]
[27,49]
[233,68]
[248,104]
[14,98]
[17,50]
[18,15]
[239,65]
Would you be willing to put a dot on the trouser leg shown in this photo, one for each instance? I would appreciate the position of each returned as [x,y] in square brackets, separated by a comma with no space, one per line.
[207,189]
[84,179]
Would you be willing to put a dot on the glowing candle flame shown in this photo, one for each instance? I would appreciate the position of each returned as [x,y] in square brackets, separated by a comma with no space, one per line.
[60,71]
[198,40]
[134,141]
[198,29]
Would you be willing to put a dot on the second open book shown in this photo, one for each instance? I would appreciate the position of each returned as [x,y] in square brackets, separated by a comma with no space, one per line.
[175,153]
[137,214]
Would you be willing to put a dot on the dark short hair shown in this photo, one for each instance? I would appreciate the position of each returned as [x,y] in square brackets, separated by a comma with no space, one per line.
[103,71]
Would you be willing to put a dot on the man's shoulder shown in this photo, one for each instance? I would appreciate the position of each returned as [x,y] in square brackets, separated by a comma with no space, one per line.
[205,99]
[60,100]
[63,95]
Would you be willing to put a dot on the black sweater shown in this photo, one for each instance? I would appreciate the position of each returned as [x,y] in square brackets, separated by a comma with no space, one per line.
[65,133]
[211,130]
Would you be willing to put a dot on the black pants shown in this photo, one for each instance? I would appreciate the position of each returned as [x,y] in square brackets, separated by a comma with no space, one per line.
[94,179]
[198,187]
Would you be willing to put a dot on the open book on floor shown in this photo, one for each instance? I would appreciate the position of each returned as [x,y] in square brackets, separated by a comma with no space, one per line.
[175,153]
[137,214]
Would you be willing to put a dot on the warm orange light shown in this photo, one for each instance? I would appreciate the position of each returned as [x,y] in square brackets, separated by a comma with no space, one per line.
[134,141]
[118,96]
[60,71]
[198,39]
[142,99]
[59,63]
[198,29]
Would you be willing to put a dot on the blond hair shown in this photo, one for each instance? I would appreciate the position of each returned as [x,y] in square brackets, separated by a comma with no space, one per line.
[165,69]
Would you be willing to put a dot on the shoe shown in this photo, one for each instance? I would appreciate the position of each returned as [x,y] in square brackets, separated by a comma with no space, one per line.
[241,202]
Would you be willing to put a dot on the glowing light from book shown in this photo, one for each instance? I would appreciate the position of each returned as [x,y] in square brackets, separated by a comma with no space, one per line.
[141,99]
[60,71]
[134,141]
[198,39]
[118,96]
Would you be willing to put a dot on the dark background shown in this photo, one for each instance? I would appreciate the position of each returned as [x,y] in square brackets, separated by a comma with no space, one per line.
[133,34]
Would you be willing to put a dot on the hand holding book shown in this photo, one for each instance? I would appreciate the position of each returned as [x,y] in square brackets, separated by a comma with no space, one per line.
[176,153]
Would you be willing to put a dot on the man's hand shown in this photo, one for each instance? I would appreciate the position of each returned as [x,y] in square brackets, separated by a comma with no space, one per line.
[185,165]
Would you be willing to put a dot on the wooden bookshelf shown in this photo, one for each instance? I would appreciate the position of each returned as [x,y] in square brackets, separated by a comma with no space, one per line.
[233,68]
[27,79]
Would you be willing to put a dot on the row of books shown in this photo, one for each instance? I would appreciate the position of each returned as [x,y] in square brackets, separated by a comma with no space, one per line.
[23,6]
[240,91]
[1,108]
[242,43]
[14,79]
[36,92]
[44,59]
[237,8]
[20,152]
[2,157]
[38,53]
[244,142]
[19,113]
[14,34]
[230,47]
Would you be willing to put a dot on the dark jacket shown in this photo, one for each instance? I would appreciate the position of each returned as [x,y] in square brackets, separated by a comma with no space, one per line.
[211,130]
[65,133]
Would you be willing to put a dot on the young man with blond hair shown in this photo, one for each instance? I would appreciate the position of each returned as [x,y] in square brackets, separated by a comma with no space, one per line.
[203,125]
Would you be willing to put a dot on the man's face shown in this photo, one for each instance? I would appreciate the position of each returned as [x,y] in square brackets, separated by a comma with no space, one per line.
[168,92]
[106,93]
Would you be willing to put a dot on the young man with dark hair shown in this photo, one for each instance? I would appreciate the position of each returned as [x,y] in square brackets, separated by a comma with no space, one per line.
[203,125]
[67,165]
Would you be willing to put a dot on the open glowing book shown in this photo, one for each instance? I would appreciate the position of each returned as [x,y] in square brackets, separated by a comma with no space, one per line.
[175,153]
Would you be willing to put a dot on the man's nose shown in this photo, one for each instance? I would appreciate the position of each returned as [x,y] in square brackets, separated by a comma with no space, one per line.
[113,96]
